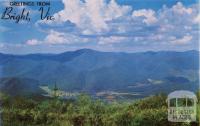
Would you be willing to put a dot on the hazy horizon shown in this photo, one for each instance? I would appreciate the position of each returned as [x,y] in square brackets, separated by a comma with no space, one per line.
[98,51]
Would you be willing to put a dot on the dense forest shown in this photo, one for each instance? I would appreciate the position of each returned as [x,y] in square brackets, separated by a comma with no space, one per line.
[85,111]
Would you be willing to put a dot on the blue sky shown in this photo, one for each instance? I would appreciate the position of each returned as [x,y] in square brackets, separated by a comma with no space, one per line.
[106,25]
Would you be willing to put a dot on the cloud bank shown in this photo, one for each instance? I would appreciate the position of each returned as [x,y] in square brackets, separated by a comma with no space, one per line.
[107,25]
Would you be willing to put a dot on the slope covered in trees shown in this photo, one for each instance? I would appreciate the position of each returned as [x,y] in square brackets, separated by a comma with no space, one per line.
[84,111]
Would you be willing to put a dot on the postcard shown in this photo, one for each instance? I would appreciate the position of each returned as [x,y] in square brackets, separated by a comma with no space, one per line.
[99,63]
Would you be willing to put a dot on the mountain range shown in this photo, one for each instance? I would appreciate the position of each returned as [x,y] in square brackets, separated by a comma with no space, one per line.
[95,71]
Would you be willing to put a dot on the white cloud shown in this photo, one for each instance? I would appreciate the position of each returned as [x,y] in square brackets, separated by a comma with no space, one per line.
[156,37]
[138,39]
[180,9]
[187,27]
[172,38]
[33,42]
[176,19]
[149,15]
[87,32]
[114,10]
[57,38]
[185,40]
[197,19]
[168,26]
[73,10]
[92,14]
[111,40]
